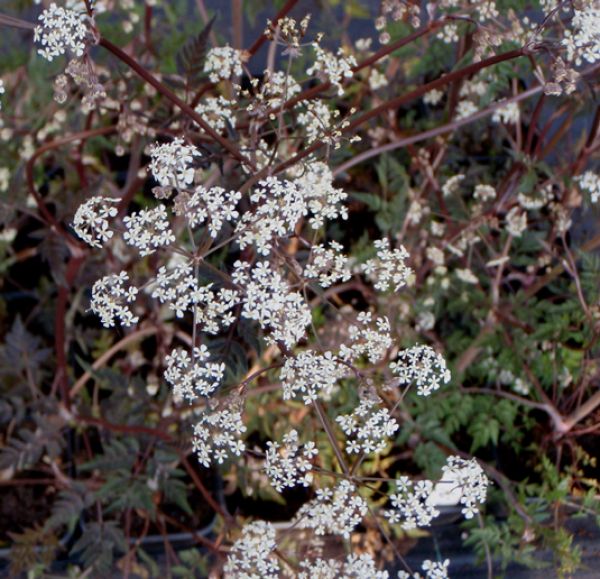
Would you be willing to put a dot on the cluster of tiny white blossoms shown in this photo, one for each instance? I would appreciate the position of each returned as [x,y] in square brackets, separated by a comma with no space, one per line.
[269,301]
[334,511]
[91,221]
[323,200]
[310,374]
[180,289]
[423,366]
[467,478]
[583,43]
[217,112]
[388,269]
[216,205]
[217,435]
[290,464]
[433,570]
[148,230]
[590,183]
[354,567]
[334,68]
[223,63]
[366,340]
[412,505]
[368,428]
[193,377]
[60,32]
[328,265]
[251,556]
[171,163]
[110,299]
[516,221]
[279,206]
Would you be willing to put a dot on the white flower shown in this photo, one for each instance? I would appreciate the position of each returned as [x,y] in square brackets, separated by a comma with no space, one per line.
[368,428]
[468,479]
[322,199]
[433,97]
[354,567]
[110,299]
[217,434]
[148,230]
[388,269]
[60,32]
[192,377]
[484,193]
[215,205]
[334,68]
[516,221]
[223,63]
[467,276]
[583,42]
[451,185]
[377,79]
[180,289]
[508,114]
[290,464]
[327,265]
[279,205]
[310,374]
[1,91]
[465,108]
[366,340]
[269,301]
[423,366]
[336,511]
[412,505]
[91,220]
[217,112]
[171,163]
[590,183]
[251,556]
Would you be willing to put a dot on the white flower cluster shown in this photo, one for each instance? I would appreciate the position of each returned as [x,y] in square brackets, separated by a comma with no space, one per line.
[251,556]
[223,63]
[270,94]
[310,374]
[60,32]
[388,269]
[516,221]
[91,220]
[467,477]
[279,206]
[590,183]
[335,68]
[215,204]
[328,265]
[584,42]
[217,435]
[368,428]
[433,570]
[110,299]
[217,112]
[316,119]
[181,290]
[269,301]
[171,163]
[195,377]
[366,340]
[290,464]
[412,504]
[354,567]
[148,230]
[334,511]
[423,366]
[321,197]
[509,114]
